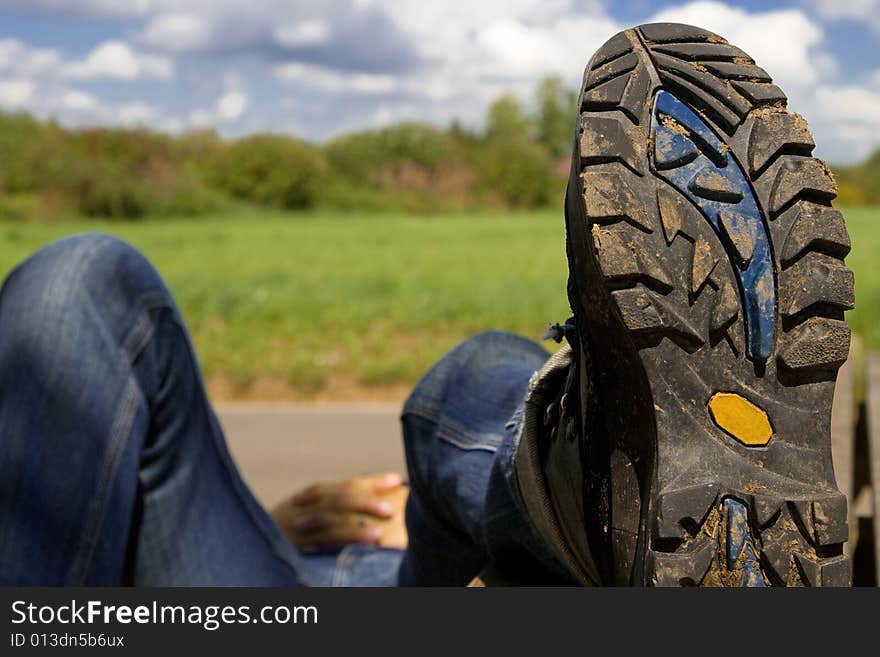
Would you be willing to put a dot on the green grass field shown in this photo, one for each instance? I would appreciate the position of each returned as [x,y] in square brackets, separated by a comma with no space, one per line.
[344,306]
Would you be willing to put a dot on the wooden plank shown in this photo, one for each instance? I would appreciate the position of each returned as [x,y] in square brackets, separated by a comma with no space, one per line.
[843,434]
[872,399]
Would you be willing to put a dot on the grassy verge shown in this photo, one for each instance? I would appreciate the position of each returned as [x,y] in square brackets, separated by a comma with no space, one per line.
[303,304]
[339,306]
[864,229]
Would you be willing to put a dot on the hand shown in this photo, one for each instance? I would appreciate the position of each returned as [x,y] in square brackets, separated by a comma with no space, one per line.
[329,516]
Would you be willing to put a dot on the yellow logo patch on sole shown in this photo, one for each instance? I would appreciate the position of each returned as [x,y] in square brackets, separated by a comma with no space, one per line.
[740,418]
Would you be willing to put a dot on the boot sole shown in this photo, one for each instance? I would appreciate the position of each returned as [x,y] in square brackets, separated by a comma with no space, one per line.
[704,243]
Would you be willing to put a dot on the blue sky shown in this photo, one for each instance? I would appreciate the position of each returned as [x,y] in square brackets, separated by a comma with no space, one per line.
[317,68]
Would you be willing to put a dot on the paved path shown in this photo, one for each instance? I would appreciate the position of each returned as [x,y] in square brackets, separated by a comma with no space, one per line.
[282,448]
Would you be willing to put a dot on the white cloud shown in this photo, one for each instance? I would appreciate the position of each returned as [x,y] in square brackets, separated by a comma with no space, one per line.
[386,115]
[116,59]
[79,101]
[172,124]
[136,113]
[16,93]
[849,103]
[495,40]
[394,59]
[304,33]
[324,79]
[201,118]
[177,32]
[23,60]
[520,49]
[231,105]
[228,108]
[96,8]
[855,10]
[850,115]
[475,51]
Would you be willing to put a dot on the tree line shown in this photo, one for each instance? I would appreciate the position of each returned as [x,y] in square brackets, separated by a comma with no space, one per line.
[518,160]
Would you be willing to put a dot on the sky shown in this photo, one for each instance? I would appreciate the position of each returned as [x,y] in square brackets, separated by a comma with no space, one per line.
[316,68]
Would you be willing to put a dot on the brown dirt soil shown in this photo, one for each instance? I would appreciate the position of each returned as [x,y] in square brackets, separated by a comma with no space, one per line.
[340,388]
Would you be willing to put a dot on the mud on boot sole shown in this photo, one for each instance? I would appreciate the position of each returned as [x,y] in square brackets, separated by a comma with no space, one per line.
[703,242]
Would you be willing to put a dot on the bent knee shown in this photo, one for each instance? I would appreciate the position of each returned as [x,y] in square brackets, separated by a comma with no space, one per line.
[495,342]
[466,365]
[86,263]
[85,270]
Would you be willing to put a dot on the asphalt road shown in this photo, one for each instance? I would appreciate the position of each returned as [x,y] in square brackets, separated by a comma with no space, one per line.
[280,449]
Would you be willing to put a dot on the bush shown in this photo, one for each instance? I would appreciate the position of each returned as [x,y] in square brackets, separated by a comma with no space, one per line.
[106,189]
[21,140]
[18,207]
[517,160]
[364,157]
[408,167]
[103,188]
[101,172]
[860,183]
[520,171]
[271,170]
[191,196]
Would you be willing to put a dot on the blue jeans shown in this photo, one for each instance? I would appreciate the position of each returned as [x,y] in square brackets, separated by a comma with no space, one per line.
[464,511]
[114,469]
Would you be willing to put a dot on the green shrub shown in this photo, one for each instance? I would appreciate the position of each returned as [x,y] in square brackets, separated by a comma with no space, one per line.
[270,170]
[407,167]
[190,196]
[860,184]
[557,110]
[106,172]
[198,146]
[18,207]
[341,195]
[104,188]
[363,157]
[507,119]
[520,171]
[21,141]
[48,171]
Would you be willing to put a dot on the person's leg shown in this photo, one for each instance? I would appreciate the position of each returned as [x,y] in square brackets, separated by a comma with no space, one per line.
[113,467]
[458,426]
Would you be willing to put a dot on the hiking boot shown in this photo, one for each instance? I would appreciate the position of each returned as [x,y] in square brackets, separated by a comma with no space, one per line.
[708,287]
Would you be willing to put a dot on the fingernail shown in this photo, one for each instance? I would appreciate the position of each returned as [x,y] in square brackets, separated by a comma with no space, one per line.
[391,480]
[372,534]
[384,508]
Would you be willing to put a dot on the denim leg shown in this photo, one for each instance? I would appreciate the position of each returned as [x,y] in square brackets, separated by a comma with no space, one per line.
[458,425]
[513,544]
[113,467]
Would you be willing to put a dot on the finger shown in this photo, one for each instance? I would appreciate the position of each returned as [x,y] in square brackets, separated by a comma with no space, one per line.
[313,522]
[386,481]
[315,493]
[347,501]
[379,483]
[308,494]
